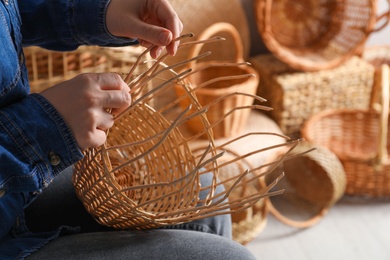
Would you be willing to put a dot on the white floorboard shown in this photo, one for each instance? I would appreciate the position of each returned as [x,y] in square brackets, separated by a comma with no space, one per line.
[352,229]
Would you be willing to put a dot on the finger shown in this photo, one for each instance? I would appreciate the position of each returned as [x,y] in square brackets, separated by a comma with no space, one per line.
[115,99]
[111,81]
[106,121]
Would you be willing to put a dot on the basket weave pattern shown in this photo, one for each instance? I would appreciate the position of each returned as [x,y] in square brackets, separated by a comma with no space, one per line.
[295,96]
[315,35]
[360,139]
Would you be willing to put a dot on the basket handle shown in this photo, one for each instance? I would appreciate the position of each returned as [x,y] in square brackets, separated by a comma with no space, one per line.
[385,83]
[212,30]
[385,15]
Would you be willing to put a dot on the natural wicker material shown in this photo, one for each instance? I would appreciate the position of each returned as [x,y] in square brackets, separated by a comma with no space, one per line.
[295,95]
[313,183]
[222,78]
[147,176]
[198,15]
[47,68]
[360,139]
[312,35]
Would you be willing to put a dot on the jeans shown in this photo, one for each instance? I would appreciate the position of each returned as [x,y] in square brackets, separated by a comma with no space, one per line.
[58,205]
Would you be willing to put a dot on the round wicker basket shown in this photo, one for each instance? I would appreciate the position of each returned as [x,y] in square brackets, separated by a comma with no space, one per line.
[313,183]
[312,35]
[360,139]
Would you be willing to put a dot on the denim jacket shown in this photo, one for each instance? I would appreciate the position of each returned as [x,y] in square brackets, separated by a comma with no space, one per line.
[35,142]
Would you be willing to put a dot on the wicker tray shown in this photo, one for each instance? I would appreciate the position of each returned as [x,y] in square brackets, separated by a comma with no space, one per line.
[316,35]
[360,139]
[295,95]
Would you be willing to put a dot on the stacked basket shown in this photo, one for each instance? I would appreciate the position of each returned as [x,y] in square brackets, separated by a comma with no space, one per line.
[315,64]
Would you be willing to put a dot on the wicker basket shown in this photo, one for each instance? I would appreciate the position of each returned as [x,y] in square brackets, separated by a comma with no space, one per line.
[216,79]
[313,183]
[47,68]
[249,223]
[314,35]
[360,139]
[146,175]
[246,224]
[198,15]
[295,95]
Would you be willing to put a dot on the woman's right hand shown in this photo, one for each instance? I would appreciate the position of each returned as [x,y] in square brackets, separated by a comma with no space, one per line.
[84,102]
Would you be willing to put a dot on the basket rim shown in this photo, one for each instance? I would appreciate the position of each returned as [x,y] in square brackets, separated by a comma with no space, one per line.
[298,61]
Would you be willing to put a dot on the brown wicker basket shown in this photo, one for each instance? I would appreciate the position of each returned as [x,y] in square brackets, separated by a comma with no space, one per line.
[146,175]
[360,139]
[313,183]
[47,68]
[216,83]
[295,95]
[314,35]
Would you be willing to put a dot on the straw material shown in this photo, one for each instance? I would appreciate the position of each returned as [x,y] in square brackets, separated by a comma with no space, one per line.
[47,68]
[360,139]
[146,175]
[314,35]
[219,78]
[295,95]
[313,183]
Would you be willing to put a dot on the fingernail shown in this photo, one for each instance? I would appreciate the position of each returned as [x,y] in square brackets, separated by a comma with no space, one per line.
[165,38]
[158,52]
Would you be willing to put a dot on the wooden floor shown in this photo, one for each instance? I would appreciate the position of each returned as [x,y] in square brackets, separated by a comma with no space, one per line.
[352,229]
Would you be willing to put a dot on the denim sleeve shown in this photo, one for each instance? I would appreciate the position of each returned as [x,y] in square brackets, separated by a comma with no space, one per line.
[66,24]
[32,164]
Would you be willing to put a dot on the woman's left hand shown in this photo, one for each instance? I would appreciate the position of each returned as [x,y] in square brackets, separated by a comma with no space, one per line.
[152,22]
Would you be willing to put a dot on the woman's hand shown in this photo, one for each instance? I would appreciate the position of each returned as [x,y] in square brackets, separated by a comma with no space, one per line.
[153,22]
[84,102]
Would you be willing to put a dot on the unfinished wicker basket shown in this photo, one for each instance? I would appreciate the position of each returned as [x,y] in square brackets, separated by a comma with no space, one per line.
[360,139]
[313,183]
[312,35]
[146,175]
[215,79]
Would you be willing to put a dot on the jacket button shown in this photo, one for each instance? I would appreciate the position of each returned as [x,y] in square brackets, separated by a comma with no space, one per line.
[2,192]
[54,159]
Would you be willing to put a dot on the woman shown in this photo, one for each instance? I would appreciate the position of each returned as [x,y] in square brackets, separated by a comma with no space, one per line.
[42,135]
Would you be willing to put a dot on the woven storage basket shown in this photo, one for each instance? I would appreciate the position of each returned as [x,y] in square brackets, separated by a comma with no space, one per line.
[216,79]
[47,68]
[313,183]
[312,35]
[295,95]
[360,139]
[146,175]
